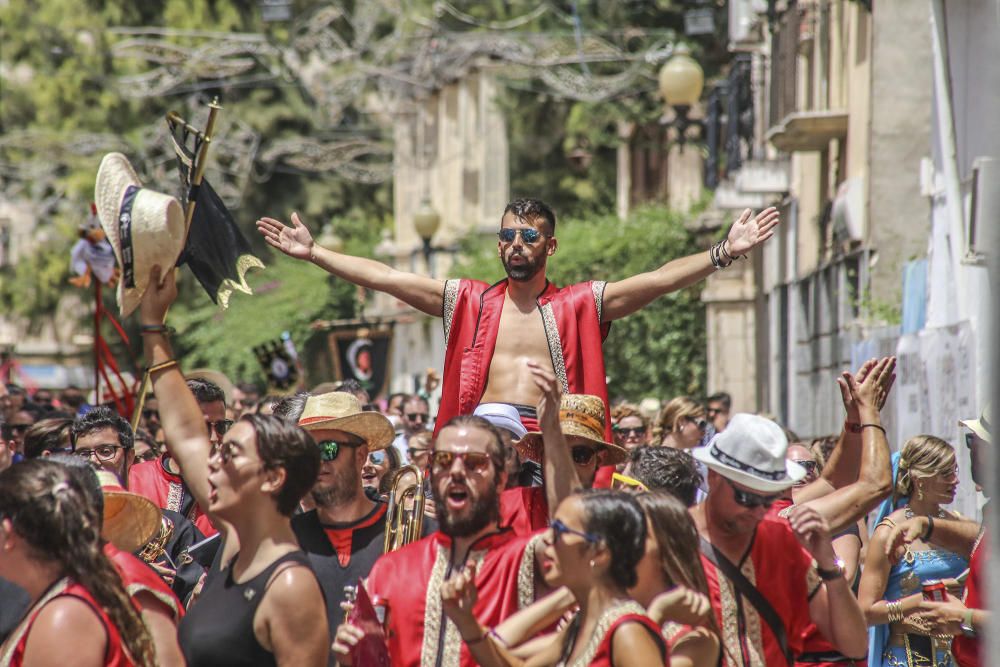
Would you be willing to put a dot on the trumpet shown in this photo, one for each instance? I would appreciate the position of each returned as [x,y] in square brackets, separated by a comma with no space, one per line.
[405,516]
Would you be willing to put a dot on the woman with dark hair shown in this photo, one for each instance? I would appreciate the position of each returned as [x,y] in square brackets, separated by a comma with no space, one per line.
[595,542]
[264,606]
[380,468]
[671,579]
[50,545]
[49,436]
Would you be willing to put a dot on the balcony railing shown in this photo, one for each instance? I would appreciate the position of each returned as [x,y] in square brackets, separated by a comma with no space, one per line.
[784,56]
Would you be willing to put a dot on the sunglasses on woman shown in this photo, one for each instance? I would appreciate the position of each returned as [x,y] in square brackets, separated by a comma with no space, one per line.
[377,458]
[637,431]
[752,500]
[559,529]
[329,450]
[582,454]
[475,461]
[529,236]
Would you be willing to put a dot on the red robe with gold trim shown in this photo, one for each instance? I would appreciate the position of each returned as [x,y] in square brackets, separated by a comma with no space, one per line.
[778,567]
[571,317]
[408,583]
[152,480]
[137,577]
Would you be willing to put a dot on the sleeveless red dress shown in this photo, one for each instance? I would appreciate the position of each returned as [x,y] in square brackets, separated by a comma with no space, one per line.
[610,621]
[13,649]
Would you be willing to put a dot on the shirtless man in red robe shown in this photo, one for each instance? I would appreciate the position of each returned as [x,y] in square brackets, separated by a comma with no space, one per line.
[492,331]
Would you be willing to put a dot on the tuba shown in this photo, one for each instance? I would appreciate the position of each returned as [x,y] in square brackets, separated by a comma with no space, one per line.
[404,519]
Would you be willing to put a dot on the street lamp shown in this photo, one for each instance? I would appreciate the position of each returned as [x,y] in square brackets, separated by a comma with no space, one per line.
[426,221]
[681,83]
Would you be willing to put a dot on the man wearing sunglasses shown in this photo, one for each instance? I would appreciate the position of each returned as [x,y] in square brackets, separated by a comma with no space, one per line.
[344,534]
[490,331]
[416,418]
[160,479]
[467,473]
[794,575]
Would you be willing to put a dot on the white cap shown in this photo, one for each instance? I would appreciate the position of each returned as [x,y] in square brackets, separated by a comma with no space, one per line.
[502,415]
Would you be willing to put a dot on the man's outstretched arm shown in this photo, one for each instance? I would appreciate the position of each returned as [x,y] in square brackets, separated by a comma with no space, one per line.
[421,292]
[624,297]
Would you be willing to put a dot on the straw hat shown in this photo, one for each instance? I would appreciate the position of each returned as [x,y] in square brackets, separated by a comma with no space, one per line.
[981,427]
[751,452]
[153,222]
[338,410]
[581,416]
[130,520]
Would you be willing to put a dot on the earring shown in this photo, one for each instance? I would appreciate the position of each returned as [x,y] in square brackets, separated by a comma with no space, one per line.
[591,564]
[920,493]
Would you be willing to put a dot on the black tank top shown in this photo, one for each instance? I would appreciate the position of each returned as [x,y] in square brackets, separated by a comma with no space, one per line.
[218,630]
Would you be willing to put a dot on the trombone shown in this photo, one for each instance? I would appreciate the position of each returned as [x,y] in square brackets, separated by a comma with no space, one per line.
[404,519]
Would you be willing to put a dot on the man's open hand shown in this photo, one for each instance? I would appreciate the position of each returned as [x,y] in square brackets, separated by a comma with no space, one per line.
[294,241]
[749,232]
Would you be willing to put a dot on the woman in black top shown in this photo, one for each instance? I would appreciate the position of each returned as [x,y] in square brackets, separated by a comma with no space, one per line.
[265,607]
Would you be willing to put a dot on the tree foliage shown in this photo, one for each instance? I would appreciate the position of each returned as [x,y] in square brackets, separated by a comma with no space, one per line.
[658,351]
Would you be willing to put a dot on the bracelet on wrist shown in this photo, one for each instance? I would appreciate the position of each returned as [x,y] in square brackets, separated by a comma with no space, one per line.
[495,636]
[930,529]
[852,427]
[156,329]
[878,426]
[162,366]
[719,256]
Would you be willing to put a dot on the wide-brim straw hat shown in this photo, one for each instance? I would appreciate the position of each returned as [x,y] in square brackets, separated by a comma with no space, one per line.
[150,225]
[981,427]
[130,520]
[751,452]
[341,411]
[581,416]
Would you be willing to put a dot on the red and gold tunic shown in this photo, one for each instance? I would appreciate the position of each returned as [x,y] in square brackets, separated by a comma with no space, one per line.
[598,651]
[12,651]
[137,577]
[152,480]
[783,572]
[571,317]
[966,649]
[407,582]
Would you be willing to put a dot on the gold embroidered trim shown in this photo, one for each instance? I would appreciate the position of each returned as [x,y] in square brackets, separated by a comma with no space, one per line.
[756,642]
[243,264]
[526,573]
[605,622]
[8,647]
[597,287]
[555,345]
[730,624]
[448,312]
[175,494]
[450,649]
[135,589]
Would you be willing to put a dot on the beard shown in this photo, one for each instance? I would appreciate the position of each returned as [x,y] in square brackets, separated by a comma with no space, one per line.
[523,272]
[482,511]
[345,487]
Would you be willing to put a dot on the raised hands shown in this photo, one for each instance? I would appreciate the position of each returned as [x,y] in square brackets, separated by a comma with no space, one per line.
[158,297]
[869,388]
[548,404]
[680,605]
[813,533]
[749,232]
[294,241]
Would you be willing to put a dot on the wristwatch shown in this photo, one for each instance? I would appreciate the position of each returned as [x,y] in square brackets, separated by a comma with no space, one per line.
[836,572]
[966,626]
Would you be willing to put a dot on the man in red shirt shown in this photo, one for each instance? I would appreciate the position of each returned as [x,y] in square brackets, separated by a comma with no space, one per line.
[467,471]
[160,479]
[768,578]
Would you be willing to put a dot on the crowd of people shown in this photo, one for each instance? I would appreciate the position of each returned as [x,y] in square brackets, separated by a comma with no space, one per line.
[518,521]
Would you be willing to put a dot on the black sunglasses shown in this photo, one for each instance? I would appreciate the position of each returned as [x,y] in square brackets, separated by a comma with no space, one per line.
[809,465]
[751,500]
[149,412]
[582,454]
[329,450]
[221,426]
[18,428]
[635,430]
[417,417]
[529,236]
[559,529]
[970,440]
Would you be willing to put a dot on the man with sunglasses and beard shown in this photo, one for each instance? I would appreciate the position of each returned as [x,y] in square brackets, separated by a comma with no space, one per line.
[160,480]
[491,331]
[344,535]
[467,473]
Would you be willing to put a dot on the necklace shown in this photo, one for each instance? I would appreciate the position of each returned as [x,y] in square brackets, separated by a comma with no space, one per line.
[908,513]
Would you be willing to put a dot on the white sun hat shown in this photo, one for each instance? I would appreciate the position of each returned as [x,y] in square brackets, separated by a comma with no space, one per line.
[751,452]
[144,227]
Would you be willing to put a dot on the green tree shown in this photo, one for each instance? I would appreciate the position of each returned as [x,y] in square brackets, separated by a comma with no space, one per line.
[658,351]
